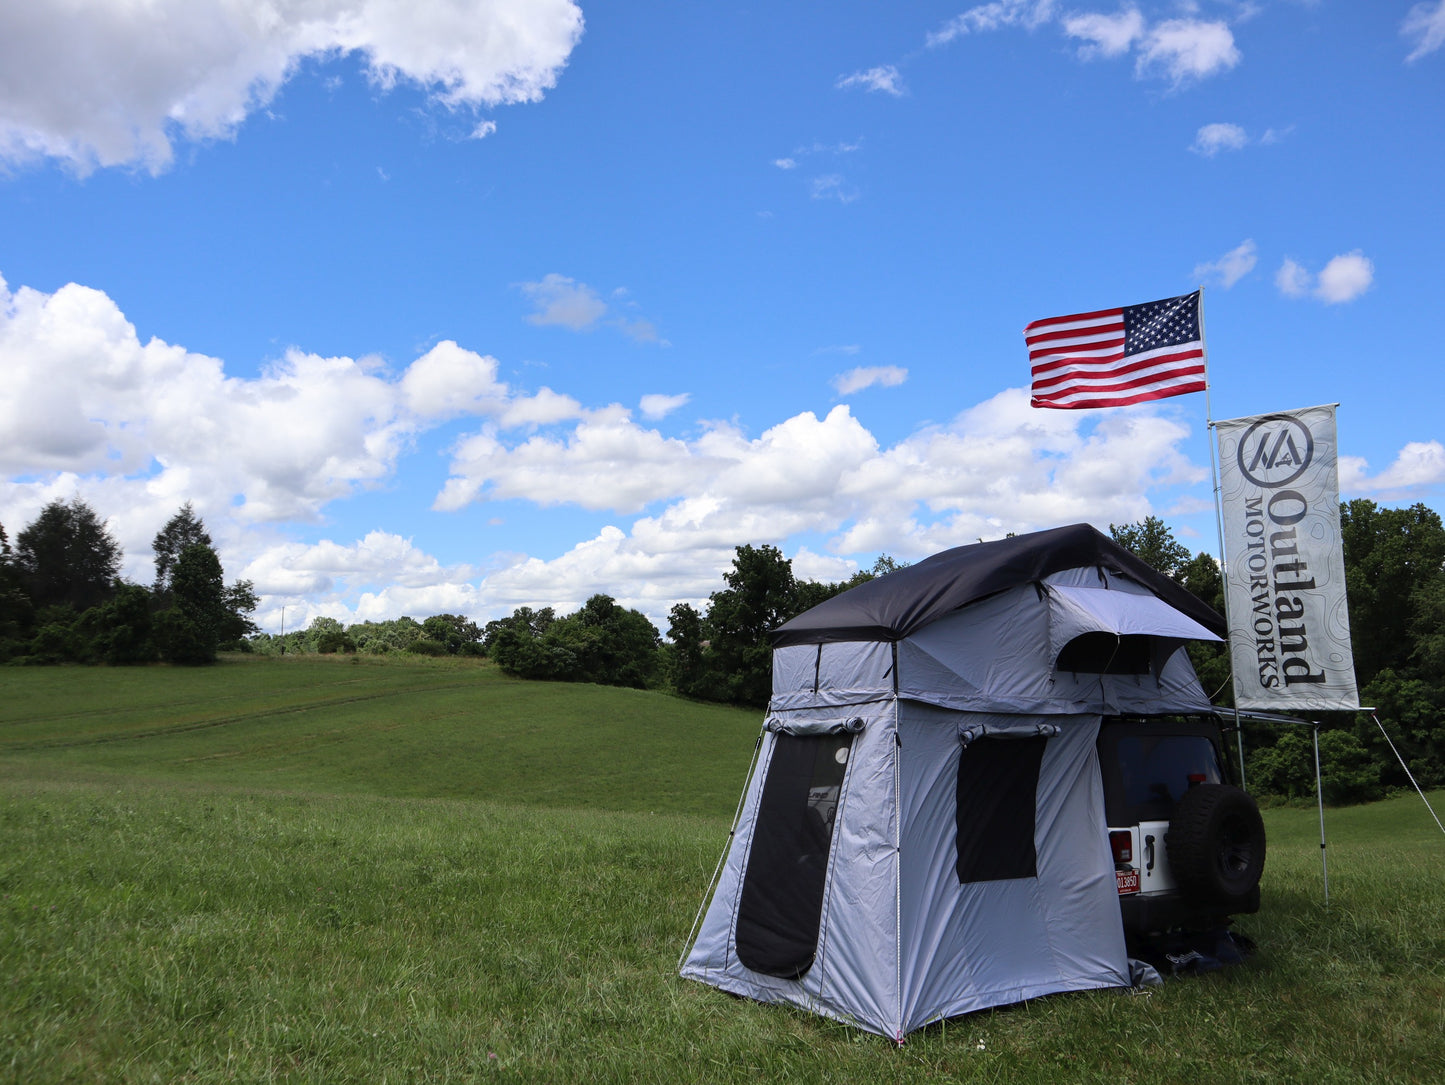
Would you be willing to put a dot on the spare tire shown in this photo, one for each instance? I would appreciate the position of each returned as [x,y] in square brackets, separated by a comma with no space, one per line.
[1216,844]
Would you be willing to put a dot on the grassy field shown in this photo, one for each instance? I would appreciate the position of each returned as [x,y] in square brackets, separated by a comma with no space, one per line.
[318,870]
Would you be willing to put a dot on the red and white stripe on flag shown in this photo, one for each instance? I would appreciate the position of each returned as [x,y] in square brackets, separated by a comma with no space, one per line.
[1114,357]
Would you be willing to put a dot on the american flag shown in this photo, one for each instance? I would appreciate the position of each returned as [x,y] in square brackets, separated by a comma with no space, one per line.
[1118,356]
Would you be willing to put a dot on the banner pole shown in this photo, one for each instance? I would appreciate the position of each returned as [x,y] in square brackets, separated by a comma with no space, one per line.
[1219,529]
[1320,796]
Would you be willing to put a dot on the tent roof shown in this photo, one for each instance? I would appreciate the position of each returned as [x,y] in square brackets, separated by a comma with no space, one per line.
[892,607]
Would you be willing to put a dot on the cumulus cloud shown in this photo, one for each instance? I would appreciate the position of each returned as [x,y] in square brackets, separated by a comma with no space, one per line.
[1425,26]
[1213,138]
[1231,267]
[995,468]
[883,80]
[1343,279]
[137,428]
[1420,464]
[97,83]
[855,380]
[84,397]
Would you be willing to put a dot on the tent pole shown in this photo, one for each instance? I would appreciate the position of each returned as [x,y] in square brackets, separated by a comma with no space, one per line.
[1408,773]
[717,870]
[1219,528]
[1320,796]
[897,870]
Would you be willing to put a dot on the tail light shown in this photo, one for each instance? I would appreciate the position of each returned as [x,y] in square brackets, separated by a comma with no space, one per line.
[1121,843]
[1197,778]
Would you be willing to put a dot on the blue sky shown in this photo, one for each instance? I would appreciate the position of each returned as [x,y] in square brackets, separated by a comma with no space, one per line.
[447,305]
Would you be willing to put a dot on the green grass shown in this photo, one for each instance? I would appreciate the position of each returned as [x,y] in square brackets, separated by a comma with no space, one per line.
[317,871]
[379,726]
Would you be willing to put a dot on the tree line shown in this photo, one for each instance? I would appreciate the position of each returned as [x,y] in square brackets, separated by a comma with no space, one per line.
[1395,578]
[62,600]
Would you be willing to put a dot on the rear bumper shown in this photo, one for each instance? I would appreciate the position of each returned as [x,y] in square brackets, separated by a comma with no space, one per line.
[1145,913]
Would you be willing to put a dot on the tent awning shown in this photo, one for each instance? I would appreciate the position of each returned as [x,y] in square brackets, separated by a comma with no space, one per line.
[1089,610]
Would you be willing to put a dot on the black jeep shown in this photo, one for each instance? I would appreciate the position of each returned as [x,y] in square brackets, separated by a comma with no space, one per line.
[1188,844]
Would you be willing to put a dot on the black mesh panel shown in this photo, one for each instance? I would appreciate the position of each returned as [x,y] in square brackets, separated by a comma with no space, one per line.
[998,782]
[782,894]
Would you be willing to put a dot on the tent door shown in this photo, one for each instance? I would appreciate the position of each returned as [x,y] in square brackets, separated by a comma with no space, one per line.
[782,891]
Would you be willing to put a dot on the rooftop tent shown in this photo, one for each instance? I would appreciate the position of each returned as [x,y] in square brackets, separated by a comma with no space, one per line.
[924,832]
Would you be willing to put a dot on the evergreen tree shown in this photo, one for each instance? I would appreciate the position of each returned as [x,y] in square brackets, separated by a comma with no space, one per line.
[16,613]
[183,529]
[190,629]
[67,557]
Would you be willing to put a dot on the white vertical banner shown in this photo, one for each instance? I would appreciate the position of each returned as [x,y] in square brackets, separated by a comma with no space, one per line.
[1289,625]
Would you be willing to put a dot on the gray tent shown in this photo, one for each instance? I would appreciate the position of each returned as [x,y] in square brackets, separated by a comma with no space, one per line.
[924,833]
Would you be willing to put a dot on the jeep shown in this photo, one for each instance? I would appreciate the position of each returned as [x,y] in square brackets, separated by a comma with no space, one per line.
[1188,845]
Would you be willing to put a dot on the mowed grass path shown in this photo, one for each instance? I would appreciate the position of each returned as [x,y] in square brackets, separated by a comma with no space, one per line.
[312,870]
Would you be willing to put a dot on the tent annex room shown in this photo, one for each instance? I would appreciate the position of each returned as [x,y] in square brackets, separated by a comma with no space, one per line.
[923,833]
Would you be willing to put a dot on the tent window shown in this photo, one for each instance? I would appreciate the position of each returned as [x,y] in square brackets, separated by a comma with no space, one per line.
[1106,653]
[782,894]
[998,782]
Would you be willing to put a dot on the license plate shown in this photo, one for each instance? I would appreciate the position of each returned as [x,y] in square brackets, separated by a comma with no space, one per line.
[1128,881]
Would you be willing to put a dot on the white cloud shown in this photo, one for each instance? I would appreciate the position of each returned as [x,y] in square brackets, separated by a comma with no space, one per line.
[484,129]
[1182,50]
[545,408]
[1108,35]
[1418,465]
[97,83]
[1343,279]
[993,16]
[1231,267]
[1187,49]
[1292,279]
[998,467]
[855,380]
[448,380]
[656,406]
[1213,138]
[139,428]
[884,79]
[564,301]
[1425,24]
[785,163]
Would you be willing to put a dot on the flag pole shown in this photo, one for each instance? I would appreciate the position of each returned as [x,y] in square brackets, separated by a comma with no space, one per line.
[1219,528]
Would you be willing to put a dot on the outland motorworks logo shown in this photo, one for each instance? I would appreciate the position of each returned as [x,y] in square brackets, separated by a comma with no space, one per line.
[1275,451]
